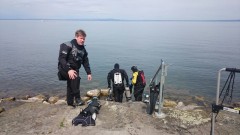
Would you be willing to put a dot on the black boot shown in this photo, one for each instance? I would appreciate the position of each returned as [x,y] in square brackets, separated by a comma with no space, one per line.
[79,102]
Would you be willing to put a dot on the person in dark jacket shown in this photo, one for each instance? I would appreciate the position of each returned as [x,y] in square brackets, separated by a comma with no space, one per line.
[138,88]
[117,77]
[72,55]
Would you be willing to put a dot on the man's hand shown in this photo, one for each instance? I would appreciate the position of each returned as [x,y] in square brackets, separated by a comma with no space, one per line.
[89,77]
[72,74]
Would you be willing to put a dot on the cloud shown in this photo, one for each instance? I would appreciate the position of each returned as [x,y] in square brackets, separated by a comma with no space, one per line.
[124,9]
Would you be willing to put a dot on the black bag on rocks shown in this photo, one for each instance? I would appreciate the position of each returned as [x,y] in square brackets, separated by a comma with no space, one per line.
[87,117]
[84,120]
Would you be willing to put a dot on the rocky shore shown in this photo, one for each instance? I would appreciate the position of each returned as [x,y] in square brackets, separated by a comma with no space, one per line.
[41,114]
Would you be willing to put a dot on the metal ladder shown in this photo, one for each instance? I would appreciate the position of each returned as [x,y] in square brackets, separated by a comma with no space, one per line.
[217,106]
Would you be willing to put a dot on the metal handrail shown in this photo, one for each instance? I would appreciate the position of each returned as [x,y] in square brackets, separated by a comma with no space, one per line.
[217,106]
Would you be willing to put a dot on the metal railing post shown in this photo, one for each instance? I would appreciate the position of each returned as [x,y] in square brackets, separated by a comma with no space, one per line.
[217,100]
[162,82]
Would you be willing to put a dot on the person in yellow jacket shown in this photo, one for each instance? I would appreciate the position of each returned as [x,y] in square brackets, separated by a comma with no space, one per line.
[138,87]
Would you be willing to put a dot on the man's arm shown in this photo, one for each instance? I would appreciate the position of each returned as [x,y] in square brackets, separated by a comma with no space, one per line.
[86,64]
[126,77]
[109,79]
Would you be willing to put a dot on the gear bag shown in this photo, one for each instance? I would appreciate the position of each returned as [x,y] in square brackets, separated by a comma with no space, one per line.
[117,78]
[62,75]
[87,117]
[141,78]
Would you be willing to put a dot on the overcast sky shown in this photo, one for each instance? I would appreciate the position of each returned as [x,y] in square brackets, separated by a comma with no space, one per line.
[120,9]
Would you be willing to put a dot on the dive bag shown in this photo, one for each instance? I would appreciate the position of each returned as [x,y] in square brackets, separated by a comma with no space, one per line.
[87,117]
[141,78]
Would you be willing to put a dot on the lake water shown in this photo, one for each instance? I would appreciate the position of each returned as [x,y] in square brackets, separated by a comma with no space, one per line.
[195,51]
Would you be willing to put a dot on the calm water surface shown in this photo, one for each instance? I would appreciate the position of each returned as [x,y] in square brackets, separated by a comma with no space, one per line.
[195,52]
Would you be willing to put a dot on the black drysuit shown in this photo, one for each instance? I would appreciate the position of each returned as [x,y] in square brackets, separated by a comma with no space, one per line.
[117,90]
[72,56]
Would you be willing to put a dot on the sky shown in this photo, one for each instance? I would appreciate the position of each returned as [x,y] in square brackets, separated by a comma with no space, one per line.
[121,9]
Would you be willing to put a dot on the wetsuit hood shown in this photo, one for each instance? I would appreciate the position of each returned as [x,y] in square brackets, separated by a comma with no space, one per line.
[116,66]
[134,68]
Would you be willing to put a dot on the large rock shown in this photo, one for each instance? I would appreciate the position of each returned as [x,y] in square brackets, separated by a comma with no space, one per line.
[45,102]
[169,103]
[2,109]
[104,92]
[8,99]
[85,98]
[180,104]
[61,102]
[94,93]
[38,98]
[25,97]
[53,100]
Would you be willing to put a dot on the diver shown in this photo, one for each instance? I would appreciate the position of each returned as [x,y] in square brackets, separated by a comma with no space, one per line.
[117,77]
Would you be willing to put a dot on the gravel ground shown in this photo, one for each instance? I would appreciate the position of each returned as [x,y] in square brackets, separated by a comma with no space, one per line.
[128,118]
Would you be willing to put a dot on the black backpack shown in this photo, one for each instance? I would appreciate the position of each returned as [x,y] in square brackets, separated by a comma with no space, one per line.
[62,75]
[141,78]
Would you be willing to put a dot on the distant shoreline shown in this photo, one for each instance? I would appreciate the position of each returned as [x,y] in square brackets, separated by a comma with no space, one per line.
[132,20]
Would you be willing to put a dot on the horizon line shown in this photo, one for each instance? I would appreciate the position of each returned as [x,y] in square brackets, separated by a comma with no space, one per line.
[126,19]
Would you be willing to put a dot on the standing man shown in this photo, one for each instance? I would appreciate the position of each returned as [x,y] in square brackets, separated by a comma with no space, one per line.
[72,55]
[139,83]
[117,76]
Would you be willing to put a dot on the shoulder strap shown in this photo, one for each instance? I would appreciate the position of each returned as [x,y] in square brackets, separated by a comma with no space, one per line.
[69,44]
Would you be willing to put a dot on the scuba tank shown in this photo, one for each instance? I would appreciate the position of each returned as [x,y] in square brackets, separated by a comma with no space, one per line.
[110,95]
[128,94]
